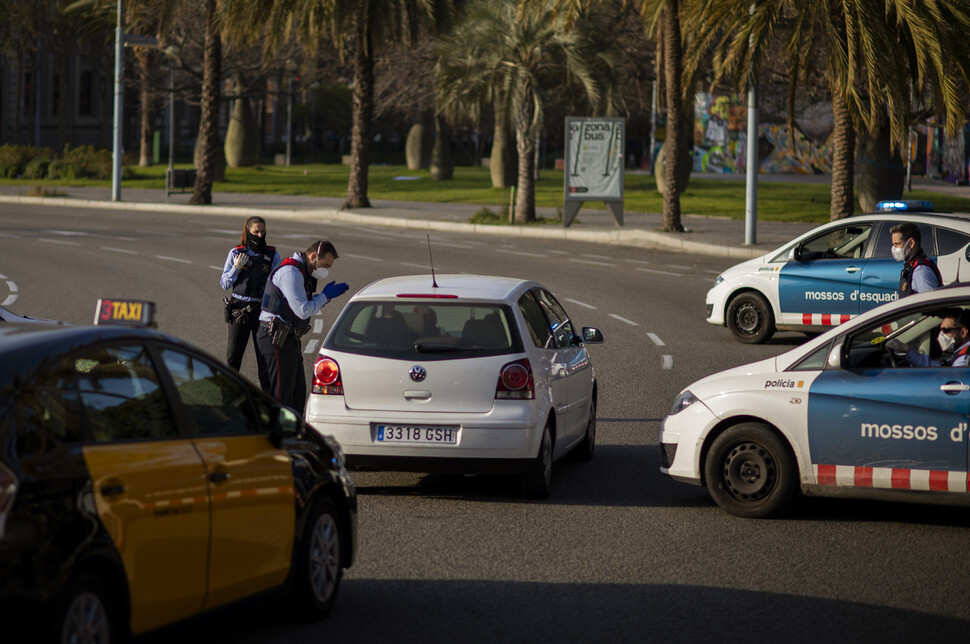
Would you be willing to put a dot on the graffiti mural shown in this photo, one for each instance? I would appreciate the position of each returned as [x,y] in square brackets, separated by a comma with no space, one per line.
[720,141]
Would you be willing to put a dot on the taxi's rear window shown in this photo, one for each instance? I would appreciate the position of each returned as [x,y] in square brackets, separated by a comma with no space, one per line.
[430,330]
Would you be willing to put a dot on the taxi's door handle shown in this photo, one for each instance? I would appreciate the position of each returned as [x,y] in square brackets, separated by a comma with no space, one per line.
[954,387]
[852,269]
[112,490]
[218,477]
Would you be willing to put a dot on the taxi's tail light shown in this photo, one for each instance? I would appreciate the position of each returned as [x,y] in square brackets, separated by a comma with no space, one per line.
[515,381]
[8,490]
[326,377]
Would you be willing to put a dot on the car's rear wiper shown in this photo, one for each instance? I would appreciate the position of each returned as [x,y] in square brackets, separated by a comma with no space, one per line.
[436,347]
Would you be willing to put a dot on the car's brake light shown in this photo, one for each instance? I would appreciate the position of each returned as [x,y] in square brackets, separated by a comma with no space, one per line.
[440,296]
[8,490]
[326,377]
[515,381]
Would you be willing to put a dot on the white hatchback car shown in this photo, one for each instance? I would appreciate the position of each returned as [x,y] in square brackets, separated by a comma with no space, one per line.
[462,373]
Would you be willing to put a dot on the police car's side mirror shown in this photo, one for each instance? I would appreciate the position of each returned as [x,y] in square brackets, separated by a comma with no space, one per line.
[795,254]
[834,360]
[288,424]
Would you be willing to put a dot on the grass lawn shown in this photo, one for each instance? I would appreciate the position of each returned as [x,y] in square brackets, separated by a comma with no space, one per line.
[807,202]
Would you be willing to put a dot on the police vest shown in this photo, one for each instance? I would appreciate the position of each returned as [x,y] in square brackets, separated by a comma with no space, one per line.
[906,275]
[251,280]
[275,302]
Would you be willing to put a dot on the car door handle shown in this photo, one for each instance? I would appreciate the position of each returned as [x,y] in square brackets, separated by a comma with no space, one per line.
[954,387]
[218,477]
[112,490]
[852,269]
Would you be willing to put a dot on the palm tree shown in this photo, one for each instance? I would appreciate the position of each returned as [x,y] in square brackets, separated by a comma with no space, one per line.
[515,58]
[876,54]
[208,139]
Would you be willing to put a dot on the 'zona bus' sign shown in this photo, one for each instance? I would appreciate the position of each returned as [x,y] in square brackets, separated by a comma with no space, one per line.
[595,150]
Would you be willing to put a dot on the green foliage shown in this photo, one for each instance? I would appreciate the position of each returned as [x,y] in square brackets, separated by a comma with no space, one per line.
[37,167]
[90,161]
[62,169]
[15,158]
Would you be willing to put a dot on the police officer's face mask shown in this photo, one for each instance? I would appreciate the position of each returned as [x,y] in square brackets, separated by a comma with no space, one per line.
[320,273]
[899,253]
[255,243]
[946,341]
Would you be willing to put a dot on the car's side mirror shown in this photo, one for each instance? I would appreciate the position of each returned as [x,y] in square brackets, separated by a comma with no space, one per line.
[795,254]
[834,360]
[592,335]
[287,424]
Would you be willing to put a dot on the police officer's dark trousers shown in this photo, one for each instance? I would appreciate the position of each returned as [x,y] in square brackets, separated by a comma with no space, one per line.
[284,369]
[239,335]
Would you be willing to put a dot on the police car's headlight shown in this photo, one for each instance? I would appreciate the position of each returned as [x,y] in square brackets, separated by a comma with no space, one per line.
[718,280]
[683,401]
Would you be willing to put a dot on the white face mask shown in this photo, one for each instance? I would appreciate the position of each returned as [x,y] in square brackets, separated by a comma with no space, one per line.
[946,341]
[320,273]
[899,254]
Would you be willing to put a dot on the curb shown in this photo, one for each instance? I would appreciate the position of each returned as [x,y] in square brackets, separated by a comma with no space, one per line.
[630,237]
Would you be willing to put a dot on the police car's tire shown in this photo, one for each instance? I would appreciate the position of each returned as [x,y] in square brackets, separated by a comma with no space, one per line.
[584,451]
[319,566]
[86,613]
[535,483]
[750,318]
[750,471]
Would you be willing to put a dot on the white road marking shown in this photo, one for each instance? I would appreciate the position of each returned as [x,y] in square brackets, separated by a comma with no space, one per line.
[558,252]
[372,259]
[3,277]
[653,270]
[12,286]
[218,268]
[120,250]
[421,266]
[223,231]
[311,346]
[318,326]
[517,252]
[589,261]
[13,292]
[637,261]
[577,302]
[707,270]
[667,362]
[685,268]
[59,241]
[453,245]
[77,233]
[597,256]
[656,339]
[173,259]
[617,317]
[10,236]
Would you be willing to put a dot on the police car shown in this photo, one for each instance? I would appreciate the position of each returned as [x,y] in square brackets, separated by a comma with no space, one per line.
[833,273]
[143,482]
[840,415]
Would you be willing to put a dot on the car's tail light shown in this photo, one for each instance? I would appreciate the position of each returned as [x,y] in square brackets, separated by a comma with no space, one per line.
[326,377]
[515,381]
[8,490]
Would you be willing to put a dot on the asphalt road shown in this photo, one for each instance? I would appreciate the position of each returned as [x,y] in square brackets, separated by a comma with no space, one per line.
[617,552]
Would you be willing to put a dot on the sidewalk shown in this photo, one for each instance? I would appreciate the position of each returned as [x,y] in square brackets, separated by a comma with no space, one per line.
[715,236]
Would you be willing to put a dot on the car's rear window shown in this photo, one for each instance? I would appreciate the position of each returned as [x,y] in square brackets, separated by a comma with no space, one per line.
[433,330]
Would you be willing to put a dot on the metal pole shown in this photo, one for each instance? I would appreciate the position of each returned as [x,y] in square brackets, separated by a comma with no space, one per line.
[909,161]
[653,126]
[119,103]
[751,189]
[171,120]
[289,115]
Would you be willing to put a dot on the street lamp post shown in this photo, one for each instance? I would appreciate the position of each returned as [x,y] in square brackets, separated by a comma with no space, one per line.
[119,104]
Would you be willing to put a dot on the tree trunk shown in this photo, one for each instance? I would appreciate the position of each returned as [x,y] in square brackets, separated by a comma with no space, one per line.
[501,163]
[525,142]
[881,173]
[146,70]
[675,140]
[442,165]
[208,139]
[242,136]
[420,143]
[363,101]
[843,154]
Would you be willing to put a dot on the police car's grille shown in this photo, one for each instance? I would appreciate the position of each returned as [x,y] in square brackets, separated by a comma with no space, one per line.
[667,453]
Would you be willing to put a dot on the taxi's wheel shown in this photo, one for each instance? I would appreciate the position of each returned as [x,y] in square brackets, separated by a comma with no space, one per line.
[750,318]
[86,613]
[750,472]
[584,451]
[535,483]
[319,564]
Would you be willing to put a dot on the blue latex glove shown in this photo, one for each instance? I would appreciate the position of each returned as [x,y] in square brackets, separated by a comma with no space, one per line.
[333,290]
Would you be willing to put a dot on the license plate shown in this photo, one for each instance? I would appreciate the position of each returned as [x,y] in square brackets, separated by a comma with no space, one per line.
[423,434]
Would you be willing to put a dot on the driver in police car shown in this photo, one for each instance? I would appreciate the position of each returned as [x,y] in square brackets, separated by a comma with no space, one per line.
[919,273]
[954,336]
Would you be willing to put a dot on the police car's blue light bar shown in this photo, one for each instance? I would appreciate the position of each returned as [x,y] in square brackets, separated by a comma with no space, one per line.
[899,206]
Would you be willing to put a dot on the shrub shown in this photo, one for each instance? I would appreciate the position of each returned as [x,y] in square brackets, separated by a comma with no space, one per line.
[14,159]
[63,169]
[37,167]
[90,162]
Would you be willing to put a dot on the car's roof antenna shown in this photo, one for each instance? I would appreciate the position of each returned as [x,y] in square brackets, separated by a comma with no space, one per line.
[434,283]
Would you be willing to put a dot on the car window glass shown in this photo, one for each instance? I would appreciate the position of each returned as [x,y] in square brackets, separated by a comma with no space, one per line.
[815,361]
[884,243]
[122,398]
[844,242]
[215,402]
[918,330]
[535,321]
[433,330]
[949,241]
[50,403]
[562,329]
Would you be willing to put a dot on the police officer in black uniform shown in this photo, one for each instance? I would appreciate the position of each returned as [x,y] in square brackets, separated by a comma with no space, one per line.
[246,270]
[288,304]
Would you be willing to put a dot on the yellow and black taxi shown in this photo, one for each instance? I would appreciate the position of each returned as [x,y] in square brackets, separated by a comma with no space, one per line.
[143,482]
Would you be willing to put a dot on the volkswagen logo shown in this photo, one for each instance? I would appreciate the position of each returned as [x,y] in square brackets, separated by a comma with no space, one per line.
[418,373]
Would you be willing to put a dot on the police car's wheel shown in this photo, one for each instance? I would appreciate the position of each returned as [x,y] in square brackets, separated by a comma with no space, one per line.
[584,451]
[750,472]
[535,483]
[750,318]
[320,565]
[86,613]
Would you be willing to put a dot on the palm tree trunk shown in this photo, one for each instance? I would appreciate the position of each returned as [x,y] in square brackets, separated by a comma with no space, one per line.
[363,115]
[843,155]
[146,67]
[525,143]
[674,65]
[209,118]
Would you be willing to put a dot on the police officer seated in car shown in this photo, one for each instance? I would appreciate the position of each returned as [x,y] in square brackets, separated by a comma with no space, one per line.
[954,340]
